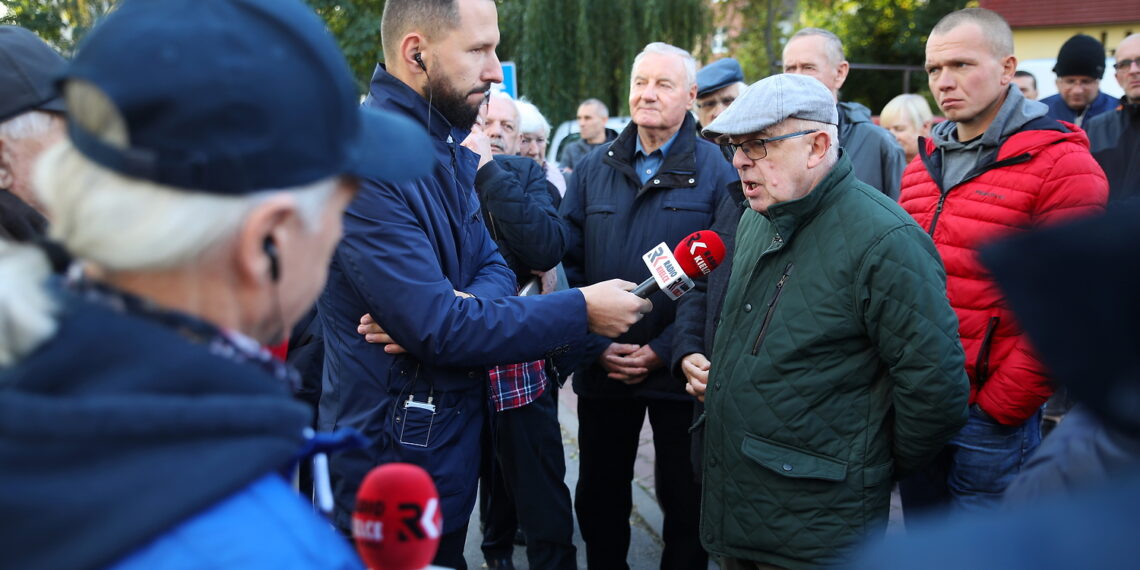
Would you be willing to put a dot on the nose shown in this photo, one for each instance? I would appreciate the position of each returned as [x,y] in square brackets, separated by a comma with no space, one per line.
[493,71]
[741,160]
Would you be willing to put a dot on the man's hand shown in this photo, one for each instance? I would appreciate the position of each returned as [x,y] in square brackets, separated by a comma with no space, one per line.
[696,369]
[619,362]
[480,144]
[376,335]
[611,309]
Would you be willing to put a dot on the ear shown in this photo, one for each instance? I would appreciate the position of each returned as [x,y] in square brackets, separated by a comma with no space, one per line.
[841,72]
[7,178]
[1008,68]
[268,219]
[820,142]
[692,97]
[412,44]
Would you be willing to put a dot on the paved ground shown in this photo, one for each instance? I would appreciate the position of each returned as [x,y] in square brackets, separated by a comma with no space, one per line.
[645,521]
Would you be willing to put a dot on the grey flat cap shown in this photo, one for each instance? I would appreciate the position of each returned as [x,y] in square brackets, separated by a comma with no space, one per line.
[718,75]
[772,100]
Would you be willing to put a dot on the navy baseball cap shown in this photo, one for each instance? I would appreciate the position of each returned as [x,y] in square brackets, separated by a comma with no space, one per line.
[231,97]
[718,75]
[28,70]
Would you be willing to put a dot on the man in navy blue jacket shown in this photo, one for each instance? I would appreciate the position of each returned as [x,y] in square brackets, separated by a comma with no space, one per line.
[417,257]
[656,182]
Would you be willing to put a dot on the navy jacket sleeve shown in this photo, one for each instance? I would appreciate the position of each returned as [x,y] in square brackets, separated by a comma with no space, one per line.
[394,264]
[520,213]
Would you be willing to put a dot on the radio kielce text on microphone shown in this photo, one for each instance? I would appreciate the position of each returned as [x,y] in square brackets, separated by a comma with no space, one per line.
[673,272]
[397,522]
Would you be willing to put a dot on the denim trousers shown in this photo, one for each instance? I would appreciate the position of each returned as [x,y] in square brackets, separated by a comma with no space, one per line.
[973,470]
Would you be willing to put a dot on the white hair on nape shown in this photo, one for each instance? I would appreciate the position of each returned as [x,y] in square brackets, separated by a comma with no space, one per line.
[26,125]
[662,48]
[531,119]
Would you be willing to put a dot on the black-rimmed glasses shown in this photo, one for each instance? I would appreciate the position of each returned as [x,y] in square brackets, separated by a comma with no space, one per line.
[756,149]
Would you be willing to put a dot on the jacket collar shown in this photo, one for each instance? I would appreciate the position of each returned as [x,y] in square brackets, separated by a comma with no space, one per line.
[387,92]
[788,217]
[678,170]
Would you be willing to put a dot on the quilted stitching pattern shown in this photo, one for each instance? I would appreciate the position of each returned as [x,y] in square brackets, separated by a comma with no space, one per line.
[861,323]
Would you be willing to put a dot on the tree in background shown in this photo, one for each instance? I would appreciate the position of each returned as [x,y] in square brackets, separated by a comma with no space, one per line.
[61,23]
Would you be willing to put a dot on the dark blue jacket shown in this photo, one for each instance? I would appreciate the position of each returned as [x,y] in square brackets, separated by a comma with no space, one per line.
[1059,110]
[406,248]
[1114,138]
[124,445]
[613,219]
[521,215]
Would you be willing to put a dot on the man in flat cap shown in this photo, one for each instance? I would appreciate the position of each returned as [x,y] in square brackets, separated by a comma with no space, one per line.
[837,362]
[718,85]
[31,119]
[1080,65]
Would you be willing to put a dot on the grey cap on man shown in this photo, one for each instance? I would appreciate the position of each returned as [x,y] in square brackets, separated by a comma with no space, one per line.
[28,72]
[770,101]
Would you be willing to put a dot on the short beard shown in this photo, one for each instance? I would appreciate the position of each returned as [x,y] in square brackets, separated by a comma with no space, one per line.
[452,104]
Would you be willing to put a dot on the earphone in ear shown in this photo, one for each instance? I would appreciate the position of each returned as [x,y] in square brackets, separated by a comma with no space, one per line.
[270,248]
[420,60]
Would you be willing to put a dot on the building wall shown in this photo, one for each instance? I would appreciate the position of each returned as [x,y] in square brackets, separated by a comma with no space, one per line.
[1038,43]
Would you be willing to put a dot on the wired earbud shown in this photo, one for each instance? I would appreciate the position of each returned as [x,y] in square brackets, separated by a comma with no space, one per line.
[270,248]
[420,60]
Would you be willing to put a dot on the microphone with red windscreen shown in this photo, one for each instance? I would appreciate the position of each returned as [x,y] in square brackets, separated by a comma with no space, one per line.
[397,521]
[695,256]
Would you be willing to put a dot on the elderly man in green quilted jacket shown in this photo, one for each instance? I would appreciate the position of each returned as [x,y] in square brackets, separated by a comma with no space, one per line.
[836,366]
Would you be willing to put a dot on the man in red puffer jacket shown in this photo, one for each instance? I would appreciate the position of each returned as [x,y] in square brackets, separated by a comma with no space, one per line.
[997,166]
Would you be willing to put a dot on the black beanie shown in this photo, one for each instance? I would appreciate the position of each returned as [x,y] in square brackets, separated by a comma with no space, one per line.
[1081,55]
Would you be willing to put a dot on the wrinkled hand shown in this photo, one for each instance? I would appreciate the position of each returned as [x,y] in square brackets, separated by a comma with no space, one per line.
[376,335]
[480,144]
[696,369]
[620,364]
[611,309]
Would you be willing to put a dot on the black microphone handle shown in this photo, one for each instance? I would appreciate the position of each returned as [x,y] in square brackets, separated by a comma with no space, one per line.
[647,288]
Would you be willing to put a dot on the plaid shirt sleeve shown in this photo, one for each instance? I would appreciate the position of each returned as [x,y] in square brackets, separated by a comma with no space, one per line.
[516,385]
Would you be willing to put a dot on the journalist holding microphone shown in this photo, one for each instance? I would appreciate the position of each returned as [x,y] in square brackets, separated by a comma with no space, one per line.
[213,148]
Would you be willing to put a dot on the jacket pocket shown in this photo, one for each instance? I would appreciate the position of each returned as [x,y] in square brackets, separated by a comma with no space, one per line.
[792,462]
[982,365]
[600,209]
[687,206]
[772,308]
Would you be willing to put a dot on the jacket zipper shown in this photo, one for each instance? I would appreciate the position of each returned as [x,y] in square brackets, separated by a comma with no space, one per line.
[772,308]
[943,193]
[982,364]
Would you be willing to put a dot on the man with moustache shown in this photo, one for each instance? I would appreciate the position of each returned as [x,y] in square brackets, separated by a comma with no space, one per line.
[417,259]
[657,182]
[997,166]
[1115,135]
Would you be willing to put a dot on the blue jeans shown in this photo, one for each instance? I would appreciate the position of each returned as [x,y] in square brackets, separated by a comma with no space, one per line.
[974,469]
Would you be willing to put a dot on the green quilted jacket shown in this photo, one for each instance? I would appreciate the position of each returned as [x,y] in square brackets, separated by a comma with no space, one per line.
[836,365]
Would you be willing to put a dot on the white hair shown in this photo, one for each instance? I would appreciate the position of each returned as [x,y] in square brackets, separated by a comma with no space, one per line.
[531,119]
[26,125]
[121,224]
[663,48]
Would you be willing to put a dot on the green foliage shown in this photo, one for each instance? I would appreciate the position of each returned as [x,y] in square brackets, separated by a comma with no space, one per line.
[61,23]
[879,32]
[356,26]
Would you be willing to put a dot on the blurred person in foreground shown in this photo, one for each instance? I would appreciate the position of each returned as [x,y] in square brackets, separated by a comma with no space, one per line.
[997,166]
[533,143]
[417,260]
[1081,506]
[907,117]
[1080,65]
[1115,135]
[31,119]
[836,366]
[142,424]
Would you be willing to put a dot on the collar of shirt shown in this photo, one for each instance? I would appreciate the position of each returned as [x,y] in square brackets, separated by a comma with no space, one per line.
[647,165]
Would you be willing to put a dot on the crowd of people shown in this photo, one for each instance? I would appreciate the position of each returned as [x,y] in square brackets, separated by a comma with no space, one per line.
[201,182]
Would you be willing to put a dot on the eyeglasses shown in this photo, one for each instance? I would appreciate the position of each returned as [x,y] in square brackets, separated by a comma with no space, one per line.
[713,103]
[533,140]
[1126,64]
[756,149]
